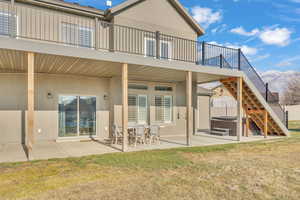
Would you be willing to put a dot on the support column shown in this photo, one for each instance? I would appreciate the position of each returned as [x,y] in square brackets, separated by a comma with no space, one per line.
[266,123]
[30,105]
[239,108]
[188,107]
[247,125]
[125,106]
[96,33]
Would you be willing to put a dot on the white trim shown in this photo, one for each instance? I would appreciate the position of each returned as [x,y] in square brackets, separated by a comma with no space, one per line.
[17,21]
[170,56]
[145,47]
[78,118]
[138,121]
[164,121]
[77,28]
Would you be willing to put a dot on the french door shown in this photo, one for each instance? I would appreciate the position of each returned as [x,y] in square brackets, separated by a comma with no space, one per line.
[77,116]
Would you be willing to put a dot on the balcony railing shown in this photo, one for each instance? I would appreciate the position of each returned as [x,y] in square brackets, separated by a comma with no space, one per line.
[34,23]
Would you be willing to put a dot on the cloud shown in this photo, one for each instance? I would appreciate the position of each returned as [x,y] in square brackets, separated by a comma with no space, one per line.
[219,29]
[288,62]
[260,58]
[295,1]
[270,35]
[241,31]
[206,16]
[277,36]
[247,50]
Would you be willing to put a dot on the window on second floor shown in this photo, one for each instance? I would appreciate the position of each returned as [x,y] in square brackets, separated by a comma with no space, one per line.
[165,48]
[8,24]
[150,47]
[74,34]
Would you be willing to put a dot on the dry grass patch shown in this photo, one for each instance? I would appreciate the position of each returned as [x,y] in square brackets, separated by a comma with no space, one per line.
[260,170]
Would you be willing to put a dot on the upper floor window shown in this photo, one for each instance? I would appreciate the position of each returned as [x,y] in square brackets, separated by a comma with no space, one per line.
[8,24]
[165,48]
[74,34]
[150,47]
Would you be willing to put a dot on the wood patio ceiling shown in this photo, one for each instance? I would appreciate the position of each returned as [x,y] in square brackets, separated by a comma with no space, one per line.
[16,62]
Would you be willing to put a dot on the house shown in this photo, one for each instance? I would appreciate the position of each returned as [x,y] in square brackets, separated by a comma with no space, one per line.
[70,72]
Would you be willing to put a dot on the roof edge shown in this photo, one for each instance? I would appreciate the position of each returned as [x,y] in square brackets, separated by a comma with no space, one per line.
[200,31]
[66,6]
[177,5]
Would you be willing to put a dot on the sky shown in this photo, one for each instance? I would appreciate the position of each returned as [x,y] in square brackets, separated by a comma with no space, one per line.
[267,31]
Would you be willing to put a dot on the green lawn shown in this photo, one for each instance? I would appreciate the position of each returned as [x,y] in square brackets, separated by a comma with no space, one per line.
[294,126]
[260,170]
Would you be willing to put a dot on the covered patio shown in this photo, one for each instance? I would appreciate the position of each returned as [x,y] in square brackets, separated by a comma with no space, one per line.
[41,77]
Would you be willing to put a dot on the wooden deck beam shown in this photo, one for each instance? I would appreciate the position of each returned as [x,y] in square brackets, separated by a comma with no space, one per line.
[188,107]
[30,105]
[125,106]
[247,125]
[239,108]
[266,124]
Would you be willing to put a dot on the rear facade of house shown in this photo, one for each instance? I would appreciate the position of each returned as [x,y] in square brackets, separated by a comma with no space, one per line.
[69,72]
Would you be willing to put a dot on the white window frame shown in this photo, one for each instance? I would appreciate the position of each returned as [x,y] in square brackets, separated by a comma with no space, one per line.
[164,121]
[77,29]
[138,121]
[78,136]
[169,49]
[145,47]
[17,21]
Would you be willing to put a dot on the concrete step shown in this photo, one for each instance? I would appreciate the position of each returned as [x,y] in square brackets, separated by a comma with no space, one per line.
[219,132]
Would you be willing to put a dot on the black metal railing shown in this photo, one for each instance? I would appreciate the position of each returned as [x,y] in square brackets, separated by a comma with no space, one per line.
[35,23]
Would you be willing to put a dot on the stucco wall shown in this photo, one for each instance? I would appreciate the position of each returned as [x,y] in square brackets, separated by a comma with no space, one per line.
[177,127]
[156,15]
[13,104]
[13,113]
[203,113]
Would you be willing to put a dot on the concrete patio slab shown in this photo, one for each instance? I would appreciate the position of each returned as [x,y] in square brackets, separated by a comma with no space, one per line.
[48,150]
[12,153]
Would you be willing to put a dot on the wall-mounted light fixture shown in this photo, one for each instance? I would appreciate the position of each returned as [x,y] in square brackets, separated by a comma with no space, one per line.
[105,97]
[49,95]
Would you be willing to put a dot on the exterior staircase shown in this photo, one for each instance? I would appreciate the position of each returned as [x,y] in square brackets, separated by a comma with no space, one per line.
[257,108]
[259,103]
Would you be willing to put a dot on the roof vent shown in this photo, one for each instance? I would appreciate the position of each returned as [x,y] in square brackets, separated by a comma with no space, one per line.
[109,3]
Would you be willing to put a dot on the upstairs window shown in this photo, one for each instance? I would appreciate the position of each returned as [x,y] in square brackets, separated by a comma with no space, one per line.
[150,47]
[74,34]
[165,49]
[8,23]
[163,108]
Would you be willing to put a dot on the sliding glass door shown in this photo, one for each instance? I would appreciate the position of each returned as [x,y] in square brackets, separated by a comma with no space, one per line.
[77,116]
[87,116]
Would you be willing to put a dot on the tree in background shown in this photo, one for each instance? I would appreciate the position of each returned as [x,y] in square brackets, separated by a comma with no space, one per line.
[291,95]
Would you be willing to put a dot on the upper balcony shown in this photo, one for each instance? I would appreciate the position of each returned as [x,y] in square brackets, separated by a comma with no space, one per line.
[27,22]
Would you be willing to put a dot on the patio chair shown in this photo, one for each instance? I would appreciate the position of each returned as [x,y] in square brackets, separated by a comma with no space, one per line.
[116,134]
[139,135]
[154,134]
